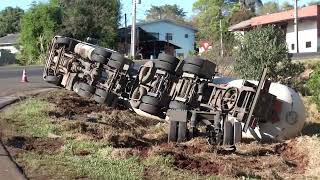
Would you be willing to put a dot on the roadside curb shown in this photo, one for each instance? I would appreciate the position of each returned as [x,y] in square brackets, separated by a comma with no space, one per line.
[9,169]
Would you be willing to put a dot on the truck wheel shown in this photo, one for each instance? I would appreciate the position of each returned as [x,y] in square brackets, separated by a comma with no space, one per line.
[102,52]
[100,96]
[53,80]
[98,58]
[84,93]
[194,60]
[149,108]
[118,58]
[164,66]
[177,105]
[115,64]
[173,130]
[150,100]
[193,69]
[63,40]
[169,59]
[87,87]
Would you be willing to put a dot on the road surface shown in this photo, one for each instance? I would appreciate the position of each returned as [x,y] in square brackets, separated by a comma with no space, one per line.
[10,78]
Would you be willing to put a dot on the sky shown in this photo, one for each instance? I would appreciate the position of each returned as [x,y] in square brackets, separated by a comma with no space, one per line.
[126,6]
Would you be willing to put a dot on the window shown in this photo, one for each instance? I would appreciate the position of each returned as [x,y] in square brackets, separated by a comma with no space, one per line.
[308,44]
[168,36]
[186,35]
[292,46]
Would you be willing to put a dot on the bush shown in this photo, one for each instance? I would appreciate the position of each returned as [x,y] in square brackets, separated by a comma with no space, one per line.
[6,57]
[314,86]
[266,46]
[38,26]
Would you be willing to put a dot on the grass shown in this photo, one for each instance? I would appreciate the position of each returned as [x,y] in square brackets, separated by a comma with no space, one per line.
[78,158]
[31,118]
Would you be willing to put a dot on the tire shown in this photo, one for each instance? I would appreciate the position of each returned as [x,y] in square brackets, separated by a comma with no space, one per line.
[194,60]
[164,66]
[86,87]
[149,108]
[99,99]
[98,58]
[193,69]
[177,105]
[150,100]
[102,52]
[169,59]
[84,93]
[63,40]
[101,93]
[53,80]
[173,130]
[118,58]
[115,64]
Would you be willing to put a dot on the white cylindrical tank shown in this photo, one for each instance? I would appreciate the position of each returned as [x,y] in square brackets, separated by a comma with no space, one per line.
[84,50]
[291,117]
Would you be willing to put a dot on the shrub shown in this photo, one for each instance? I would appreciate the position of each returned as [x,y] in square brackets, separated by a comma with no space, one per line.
[314,86]
[266,46]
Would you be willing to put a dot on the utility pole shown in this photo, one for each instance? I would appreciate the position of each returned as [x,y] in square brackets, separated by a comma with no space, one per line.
[125,33]
[133,29]
[221,39]
[296,29]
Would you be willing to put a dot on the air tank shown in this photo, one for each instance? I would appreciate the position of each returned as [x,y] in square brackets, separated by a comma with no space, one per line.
[84,50]
[291,117]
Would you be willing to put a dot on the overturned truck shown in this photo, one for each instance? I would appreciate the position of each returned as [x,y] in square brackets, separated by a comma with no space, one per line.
[187,94]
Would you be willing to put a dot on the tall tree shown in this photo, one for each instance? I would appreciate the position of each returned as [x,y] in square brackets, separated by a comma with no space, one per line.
[172,12]
[253,5]
[269,8]
[10,20]
[240,15]
[286,6]
[38,26]
[91,18]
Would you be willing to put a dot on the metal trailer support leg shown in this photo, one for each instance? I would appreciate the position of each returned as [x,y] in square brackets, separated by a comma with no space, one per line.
[177,126]
[232,132]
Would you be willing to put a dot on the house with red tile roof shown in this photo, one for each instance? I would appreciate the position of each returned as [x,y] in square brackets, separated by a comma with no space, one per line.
[308,27]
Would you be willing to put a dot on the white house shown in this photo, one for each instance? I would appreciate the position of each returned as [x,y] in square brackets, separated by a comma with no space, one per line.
[9,42]
[308,27]
[175,33]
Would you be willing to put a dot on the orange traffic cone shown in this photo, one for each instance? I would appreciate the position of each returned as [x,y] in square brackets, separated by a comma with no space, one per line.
[24,76]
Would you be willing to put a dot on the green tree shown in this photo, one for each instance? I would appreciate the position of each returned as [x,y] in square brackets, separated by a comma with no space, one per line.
[265,46]
[10,20]
[172,12]
[314,85]
[252,5]
[269,8]
[286,6]
[38,26]
[240,15]
[91,18]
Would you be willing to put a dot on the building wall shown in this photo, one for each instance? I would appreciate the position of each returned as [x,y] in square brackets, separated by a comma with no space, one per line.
[308,33]
[178,35]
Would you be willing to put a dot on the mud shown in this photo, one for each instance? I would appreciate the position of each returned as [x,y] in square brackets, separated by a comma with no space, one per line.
[40,146]
[132,135]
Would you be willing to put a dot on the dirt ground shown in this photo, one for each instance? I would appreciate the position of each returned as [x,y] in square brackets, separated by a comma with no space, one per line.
[132,135]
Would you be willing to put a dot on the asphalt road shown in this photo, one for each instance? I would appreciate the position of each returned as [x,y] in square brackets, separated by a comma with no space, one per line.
[10,78]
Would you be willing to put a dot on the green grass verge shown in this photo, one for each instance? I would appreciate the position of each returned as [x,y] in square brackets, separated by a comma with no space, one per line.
[31,118]
[91,159]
